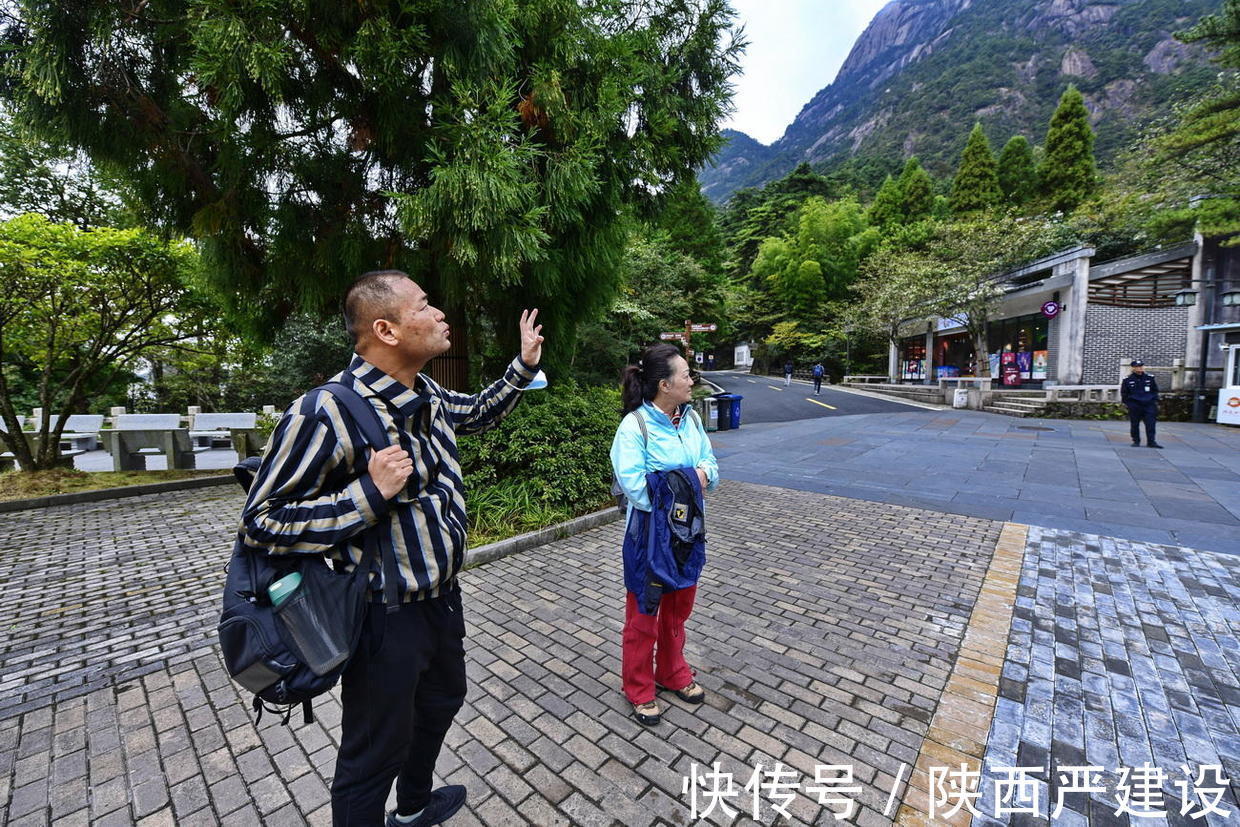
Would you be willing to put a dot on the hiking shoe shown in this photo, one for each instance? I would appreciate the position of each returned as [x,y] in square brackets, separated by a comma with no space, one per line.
[444,803]
[1154,445]
[1136,444]
[647,714]
[691,694]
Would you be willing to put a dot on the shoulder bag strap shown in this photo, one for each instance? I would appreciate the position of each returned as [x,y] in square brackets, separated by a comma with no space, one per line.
[367,420]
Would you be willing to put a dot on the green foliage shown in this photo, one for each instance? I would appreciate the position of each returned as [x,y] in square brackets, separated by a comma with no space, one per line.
[1068,173]
[1205,143]
[887,209]
[78,308]
[976,185]
[917,190]
[689,224]
[1018,176]
[751,216]
[816,262]
[491,149]
[37,177]
[556,445]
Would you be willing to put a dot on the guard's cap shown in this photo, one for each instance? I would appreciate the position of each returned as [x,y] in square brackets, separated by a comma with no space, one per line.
[1136,363]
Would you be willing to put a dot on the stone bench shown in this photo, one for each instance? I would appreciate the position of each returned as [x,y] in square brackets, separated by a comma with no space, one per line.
[133,436]
[8,462]
[81,431]
[238,431]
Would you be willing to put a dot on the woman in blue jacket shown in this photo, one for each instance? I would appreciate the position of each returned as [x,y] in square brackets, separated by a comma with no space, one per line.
[658,389]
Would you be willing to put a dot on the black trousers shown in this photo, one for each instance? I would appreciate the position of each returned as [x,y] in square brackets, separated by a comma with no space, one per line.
[1143,411]
[817,384]
[400,692]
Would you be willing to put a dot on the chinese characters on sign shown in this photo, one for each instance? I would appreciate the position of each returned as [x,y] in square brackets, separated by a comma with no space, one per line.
[1137,792]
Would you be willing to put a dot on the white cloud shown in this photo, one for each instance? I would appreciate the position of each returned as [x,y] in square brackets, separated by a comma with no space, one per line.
[795,49]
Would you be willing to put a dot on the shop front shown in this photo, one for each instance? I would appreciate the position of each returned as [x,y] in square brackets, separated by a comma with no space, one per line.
[1018,350]
[954,356]
[912,359]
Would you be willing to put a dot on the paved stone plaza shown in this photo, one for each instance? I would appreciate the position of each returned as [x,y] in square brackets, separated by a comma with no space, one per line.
[828,631]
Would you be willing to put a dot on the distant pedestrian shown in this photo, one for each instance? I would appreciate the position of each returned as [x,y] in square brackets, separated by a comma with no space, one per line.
[818,374]
[787,373]
[1139,392]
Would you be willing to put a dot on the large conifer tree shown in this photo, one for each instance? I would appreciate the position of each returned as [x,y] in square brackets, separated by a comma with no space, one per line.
[1018,176]
[489,148]
[977,183]
[917,190]
[1068,173]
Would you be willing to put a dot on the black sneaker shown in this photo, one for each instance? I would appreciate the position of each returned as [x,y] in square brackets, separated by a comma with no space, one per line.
[1154,445]
[1136,444]
[444,803]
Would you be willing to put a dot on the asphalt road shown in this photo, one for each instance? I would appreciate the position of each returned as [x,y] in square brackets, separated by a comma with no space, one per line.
[767,400]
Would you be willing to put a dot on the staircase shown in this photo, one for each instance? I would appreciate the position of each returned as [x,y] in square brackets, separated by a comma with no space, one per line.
[1016,403]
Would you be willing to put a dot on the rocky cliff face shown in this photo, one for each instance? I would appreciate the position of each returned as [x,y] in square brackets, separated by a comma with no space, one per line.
[924,70]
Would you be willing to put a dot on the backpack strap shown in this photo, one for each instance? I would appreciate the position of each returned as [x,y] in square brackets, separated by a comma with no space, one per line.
[367,420]
[641,423]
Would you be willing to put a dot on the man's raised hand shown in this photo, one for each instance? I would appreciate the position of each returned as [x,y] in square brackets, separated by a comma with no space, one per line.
[531,338]
[390,469]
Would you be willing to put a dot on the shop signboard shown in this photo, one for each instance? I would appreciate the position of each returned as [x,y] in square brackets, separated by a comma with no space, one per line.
[1024,363]
[1041,359]
[1228,406]
[1011,371]
[1050,309]
[994,365]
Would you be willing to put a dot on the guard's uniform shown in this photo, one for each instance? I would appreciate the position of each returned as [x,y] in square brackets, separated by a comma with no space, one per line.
[1140,394]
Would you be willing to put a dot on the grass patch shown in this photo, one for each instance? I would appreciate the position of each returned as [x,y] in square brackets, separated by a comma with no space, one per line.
[502,511]
[21,485]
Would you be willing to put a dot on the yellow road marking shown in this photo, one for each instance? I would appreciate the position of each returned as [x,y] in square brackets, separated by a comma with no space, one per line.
[824,404]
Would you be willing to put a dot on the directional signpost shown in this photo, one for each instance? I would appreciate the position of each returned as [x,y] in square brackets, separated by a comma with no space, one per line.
[686,336]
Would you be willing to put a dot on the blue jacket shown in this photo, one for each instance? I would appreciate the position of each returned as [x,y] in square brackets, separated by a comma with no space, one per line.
[662,553]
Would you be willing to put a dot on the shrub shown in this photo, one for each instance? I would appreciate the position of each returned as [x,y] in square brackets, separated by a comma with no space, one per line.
[1171,408]
[552,452]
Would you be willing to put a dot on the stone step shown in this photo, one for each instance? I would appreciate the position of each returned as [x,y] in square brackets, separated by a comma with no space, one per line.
[1021,412]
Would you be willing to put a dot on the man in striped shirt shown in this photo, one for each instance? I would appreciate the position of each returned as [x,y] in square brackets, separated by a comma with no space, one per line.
[319,489]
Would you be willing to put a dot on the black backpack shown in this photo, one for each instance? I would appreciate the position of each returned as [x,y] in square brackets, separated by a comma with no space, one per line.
[290,653]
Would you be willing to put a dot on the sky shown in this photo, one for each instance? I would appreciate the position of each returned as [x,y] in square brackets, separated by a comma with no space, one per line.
[795,49]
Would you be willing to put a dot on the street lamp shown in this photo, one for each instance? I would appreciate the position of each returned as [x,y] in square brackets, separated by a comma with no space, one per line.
[1185,298]
[1231,298]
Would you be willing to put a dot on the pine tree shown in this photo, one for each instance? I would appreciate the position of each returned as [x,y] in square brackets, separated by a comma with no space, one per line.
[917,189]
[1018,176]
[1068,173]
[977,182]
[888,208]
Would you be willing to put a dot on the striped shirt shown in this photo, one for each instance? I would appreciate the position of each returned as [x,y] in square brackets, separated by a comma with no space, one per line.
[312,493]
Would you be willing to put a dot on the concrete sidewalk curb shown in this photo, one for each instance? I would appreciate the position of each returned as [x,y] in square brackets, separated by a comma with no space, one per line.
[114,493]
[523,542]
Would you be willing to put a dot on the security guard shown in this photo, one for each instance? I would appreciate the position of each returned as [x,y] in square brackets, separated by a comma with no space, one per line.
[1140,393]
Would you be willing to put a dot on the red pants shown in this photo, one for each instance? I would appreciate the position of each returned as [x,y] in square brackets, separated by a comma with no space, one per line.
[652,646]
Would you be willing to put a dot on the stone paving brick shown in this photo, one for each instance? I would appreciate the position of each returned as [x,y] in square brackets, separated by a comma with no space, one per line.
[1107,665]
[837,653]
